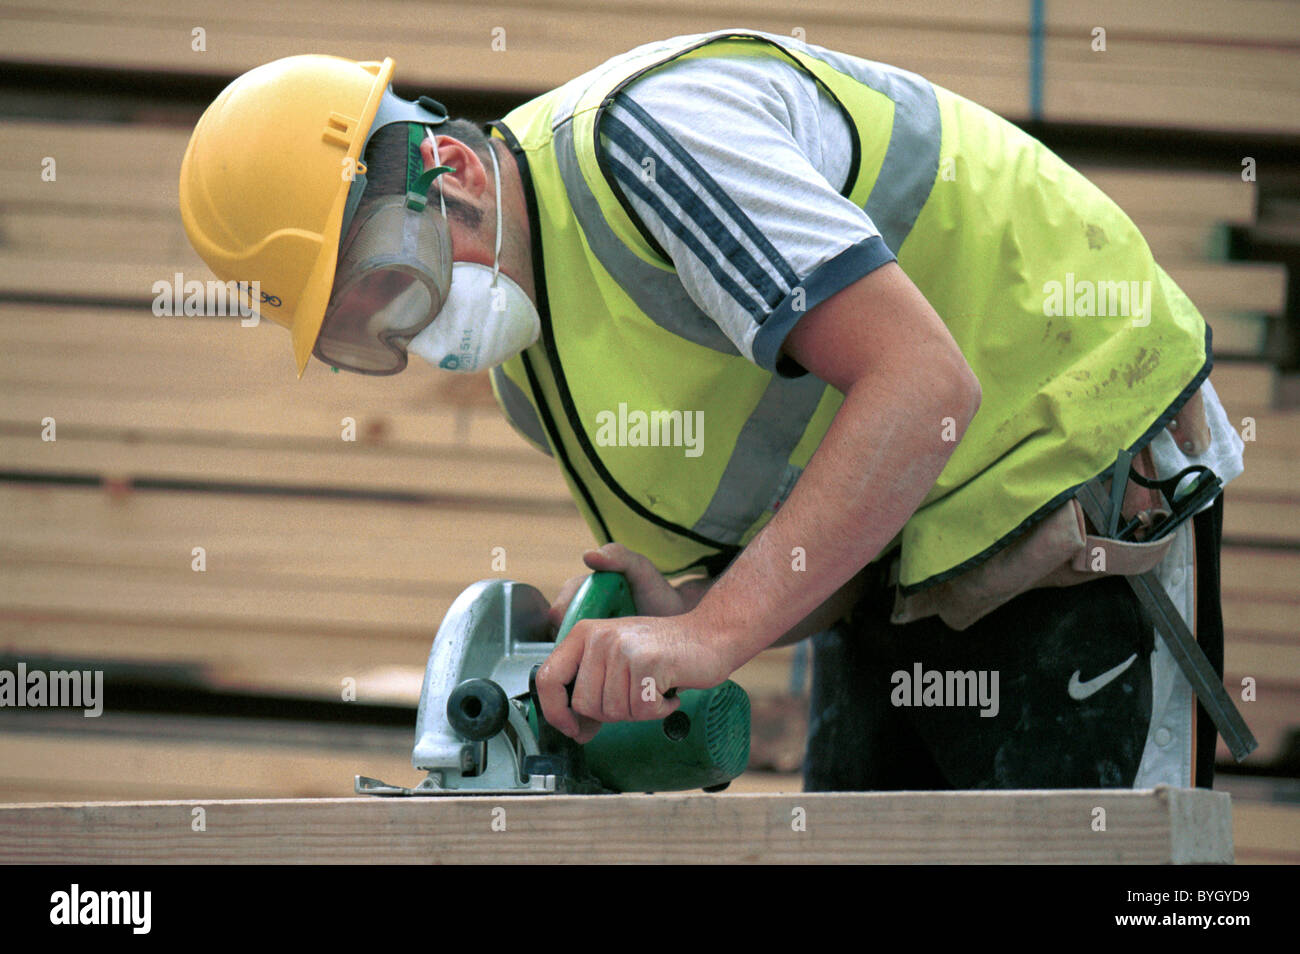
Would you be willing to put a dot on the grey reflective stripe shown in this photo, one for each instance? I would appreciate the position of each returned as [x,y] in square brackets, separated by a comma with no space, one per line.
[911,162]
[519,410]
[658,293]
[758,474]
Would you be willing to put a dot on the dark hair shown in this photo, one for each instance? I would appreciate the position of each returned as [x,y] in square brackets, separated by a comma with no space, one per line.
[386,159]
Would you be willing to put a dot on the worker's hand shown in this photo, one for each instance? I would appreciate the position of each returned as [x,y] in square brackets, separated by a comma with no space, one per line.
[652,593]
[621,669]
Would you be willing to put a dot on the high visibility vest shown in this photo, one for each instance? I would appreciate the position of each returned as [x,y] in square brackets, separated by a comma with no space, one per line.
[1081,343]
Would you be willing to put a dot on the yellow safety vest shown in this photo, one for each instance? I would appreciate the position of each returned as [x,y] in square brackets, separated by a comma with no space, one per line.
[1081,343]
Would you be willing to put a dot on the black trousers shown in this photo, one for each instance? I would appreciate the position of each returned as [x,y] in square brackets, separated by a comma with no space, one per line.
[1039,644]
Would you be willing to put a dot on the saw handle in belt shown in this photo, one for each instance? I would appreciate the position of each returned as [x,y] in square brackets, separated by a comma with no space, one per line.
[603,595]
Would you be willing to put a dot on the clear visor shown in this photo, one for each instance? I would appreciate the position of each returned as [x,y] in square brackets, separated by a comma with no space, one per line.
[391,282]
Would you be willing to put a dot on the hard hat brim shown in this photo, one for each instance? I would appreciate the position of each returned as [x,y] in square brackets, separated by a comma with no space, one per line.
[313,301]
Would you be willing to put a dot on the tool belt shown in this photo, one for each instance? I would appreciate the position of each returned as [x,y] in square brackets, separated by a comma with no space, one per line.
[1063,549]
[1119,527]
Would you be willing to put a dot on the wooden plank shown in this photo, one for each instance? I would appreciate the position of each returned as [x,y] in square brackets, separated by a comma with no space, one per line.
[1193,240]
[80,556]
[1140,82]
[1142,827]
[101,766]
[768,783]
[1110,102]
[1266,834]
[128,172]
[93,156]
[1214,287]
[1269,475]
[1267,660]
[124,368]
[504,483]
[388,666]
[1243,335]
[284,562]
[385,667]
[156,235]
[1163,60]
[1276,430]
[1263,22]
[1269,520]
[1243,385]
[974,53]
[1262,833]
[1268,22]
[269,414]
[250,538]
[1265,618]
[542,51]
[1262,573]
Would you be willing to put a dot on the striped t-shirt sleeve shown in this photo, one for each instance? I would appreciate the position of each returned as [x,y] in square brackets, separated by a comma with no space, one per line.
[726,164]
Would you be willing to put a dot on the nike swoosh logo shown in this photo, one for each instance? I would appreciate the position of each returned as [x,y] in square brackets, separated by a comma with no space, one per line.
[1082,690]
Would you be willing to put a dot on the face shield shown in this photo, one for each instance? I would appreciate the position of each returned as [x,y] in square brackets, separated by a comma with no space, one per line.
[393,275]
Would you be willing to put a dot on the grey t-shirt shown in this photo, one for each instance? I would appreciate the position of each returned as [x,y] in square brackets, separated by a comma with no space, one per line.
[734,165]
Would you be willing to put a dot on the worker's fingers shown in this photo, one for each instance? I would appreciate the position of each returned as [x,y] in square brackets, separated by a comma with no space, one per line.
[649,701]
[650,667]
[552,679]
[589,687]
[616,704]
[653,594]
[587,729]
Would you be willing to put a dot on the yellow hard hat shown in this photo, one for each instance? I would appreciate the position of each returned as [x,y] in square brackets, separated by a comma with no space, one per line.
[273,172]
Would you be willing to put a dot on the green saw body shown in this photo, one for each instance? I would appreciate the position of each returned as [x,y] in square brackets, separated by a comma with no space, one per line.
[703,744]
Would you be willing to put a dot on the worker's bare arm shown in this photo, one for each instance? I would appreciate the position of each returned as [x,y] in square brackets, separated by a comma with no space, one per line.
[903,378]
[825,616]
[907,391]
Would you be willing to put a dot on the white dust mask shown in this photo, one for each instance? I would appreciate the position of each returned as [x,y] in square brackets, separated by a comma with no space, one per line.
[487,318]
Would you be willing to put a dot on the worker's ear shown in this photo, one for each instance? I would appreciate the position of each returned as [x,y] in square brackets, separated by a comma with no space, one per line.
[469,179]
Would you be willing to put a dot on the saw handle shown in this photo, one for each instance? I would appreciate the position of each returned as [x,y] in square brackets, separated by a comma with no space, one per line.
[703,744]
[603,595]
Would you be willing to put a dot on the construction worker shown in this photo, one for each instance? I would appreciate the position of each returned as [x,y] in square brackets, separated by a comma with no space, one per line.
[809,320]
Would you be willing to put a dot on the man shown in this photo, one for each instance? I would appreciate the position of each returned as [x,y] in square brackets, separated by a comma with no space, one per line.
[802,317]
